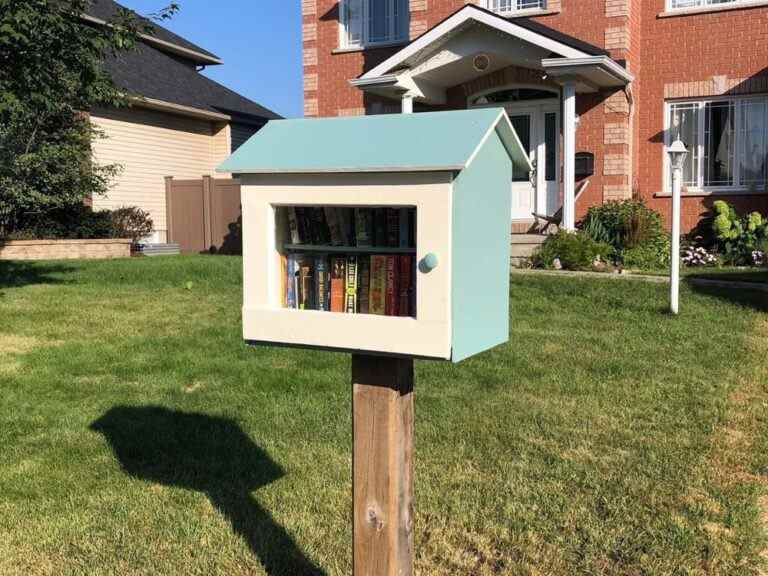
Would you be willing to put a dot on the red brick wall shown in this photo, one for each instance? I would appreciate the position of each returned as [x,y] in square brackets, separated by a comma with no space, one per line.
[662,53]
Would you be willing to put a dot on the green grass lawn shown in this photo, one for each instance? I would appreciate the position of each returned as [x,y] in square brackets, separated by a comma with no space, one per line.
[139,435]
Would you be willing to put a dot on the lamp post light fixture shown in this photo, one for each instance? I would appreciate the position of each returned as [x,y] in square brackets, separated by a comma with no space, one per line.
[677,154]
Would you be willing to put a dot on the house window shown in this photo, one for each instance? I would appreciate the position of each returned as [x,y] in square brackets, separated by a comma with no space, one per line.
[512,6]
[682,4]
[371,22]
[727,140]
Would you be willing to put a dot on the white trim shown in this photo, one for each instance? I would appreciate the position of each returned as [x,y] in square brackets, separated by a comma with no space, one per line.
[569,156]
[154,104]
[466,14]
[511,86]
[704,9]
[605,62]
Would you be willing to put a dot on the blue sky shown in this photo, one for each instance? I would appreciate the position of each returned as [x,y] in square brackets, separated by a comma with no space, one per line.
[259,41]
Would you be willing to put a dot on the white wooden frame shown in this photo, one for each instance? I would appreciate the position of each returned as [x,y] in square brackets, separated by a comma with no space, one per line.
[706,4]
[530,8]
[701,188]
[265,320]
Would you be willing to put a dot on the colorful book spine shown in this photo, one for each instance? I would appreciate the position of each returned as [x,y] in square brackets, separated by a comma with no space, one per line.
[404,285]
[364,227]
[380,227]
[292,269]
[293,225]
[333,218]
[322,284]
[393,227]
[392,295]
[378,286]
[305,288]
[350,302]
[338,279]
[363,284]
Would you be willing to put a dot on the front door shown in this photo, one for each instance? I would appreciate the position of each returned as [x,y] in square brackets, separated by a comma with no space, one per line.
[523,187]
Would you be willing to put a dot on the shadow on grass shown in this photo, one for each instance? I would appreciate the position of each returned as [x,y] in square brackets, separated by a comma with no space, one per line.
[755,299]
[209,455]
[14,274]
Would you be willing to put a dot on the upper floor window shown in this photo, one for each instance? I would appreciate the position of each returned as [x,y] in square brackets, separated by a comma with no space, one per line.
[727,141]
[371,22]
[682,4]
[512,6]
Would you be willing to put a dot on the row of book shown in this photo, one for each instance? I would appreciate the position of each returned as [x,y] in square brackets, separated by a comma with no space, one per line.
[363,227]
[352,284]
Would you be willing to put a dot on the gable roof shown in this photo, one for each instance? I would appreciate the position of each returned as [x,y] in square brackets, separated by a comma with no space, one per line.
[556,42]
[102,11]
[147,72]
[429,141]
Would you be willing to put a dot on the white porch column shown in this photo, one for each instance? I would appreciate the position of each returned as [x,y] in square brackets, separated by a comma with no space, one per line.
[569,156]
[407,103]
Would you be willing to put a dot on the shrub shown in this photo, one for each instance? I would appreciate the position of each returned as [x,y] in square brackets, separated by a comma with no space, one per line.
[130,222]
[574,251]
[737,237]
[635,232]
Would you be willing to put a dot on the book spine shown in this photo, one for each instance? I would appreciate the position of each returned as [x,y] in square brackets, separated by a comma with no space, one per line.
[404,285]
[346,217]
[378,285]
[350,303]
[293,225]
[305,288]
[412,227]
[302,223]
[363,284]
[334,225]
[291,282]
[403,241]
[321,284]
[337,284]
[363,226]
[380,227]
[393,227]
[392,299]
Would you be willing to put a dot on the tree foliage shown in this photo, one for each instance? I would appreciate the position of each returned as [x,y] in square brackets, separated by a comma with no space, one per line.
[51,75]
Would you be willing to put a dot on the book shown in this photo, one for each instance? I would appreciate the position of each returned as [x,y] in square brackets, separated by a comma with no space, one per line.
[335,225]
[284,282]
[293,226]
[404,240]
[404,285]
[306,287]
[412,227]
[291,283]
[378,285]
[322,284]
[303,224]
[391,292]
[363,283]
[318,226]
[393,227]
[347,222]
[338,279]
[363,227]
[380,227]
[350,301]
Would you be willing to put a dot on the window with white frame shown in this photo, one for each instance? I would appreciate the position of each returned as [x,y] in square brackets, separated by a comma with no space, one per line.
[512,6]
[727,140]
[371,22]
[682,4]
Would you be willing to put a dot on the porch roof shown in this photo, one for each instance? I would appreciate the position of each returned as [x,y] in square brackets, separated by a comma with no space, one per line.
[432,141]
[444,57]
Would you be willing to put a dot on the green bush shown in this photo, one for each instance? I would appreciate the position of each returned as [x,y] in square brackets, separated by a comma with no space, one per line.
[130,222]
[737,237]
[635,232]
[574,251]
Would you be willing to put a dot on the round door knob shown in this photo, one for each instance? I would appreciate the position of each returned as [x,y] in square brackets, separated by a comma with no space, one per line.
[429,262]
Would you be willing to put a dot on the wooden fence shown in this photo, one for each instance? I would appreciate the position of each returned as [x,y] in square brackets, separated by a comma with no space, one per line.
[204,215]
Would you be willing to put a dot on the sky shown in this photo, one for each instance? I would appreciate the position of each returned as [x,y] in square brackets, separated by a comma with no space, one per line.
[258,40]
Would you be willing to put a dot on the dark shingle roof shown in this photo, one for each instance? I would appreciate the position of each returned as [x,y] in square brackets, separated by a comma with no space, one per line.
[150,73]
[107,9]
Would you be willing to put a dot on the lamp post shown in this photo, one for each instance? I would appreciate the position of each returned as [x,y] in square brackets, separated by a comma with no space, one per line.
[677,154]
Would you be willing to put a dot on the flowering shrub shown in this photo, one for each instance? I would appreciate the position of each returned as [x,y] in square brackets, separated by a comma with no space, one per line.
[698,256]
[738,237]
[759,258]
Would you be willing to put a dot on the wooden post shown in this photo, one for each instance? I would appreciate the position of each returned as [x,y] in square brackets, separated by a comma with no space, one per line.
[382,465]
[207,213]
[169,209]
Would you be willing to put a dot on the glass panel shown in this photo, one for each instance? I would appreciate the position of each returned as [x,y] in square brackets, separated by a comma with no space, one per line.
[718,143]
[378,20]
[507,6]
[353,22]
[514,95]
[550,142]
[522,125]
[676,4]
[754,143]
[684,123]
[348,259]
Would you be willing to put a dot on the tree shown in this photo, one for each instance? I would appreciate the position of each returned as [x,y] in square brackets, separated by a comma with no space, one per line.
[51,75]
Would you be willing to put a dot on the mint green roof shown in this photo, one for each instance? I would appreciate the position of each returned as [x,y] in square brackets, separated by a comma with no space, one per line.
[428,141]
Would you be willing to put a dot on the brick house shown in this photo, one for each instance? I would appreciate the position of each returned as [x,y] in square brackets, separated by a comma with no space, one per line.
[595,88]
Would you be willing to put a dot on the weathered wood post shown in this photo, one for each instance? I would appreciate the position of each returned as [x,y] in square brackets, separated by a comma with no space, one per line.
[382,463]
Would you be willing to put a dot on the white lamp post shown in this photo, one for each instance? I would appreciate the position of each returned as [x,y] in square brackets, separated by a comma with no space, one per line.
[677,153]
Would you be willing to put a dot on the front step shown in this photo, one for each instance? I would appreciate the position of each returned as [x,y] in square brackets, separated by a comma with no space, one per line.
[523,246]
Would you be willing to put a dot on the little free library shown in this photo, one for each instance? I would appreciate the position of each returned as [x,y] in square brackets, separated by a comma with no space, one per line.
[387,237]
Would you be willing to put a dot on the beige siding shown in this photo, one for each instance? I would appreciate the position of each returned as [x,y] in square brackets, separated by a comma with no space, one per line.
[150,145]
[241,133]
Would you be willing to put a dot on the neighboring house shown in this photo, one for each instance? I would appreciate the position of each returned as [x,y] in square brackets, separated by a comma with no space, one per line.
[180,123]
[602,82]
